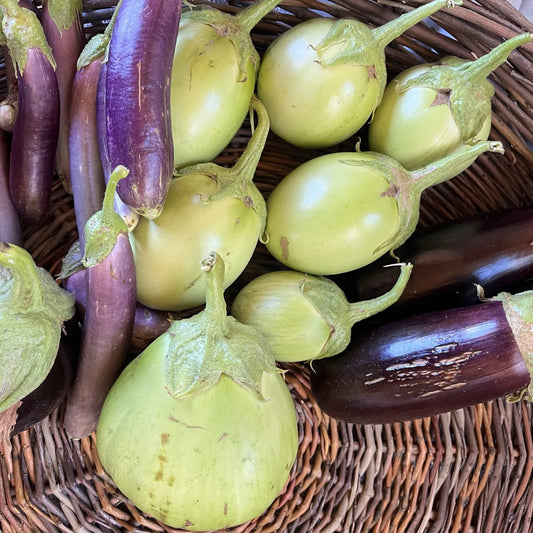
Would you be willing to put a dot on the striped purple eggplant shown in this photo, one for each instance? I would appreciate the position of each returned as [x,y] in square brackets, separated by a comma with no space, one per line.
[61,21]
[10,228]
[431,363]
[137,100]
[36,127]
[109,314]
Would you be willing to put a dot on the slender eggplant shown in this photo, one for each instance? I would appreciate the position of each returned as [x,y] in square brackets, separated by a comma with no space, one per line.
[86,166]
[61,21]
[36,128]
[148,323]
[431,363]
[10,229]
[109,316]
[53,390]
[137,100]
[493,250]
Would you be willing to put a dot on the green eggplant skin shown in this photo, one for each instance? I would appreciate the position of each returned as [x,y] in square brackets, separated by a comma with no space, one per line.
[203,462]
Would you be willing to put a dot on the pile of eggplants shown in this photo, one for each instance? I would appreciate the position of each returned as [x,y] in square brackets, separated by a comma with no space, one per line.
[99,116]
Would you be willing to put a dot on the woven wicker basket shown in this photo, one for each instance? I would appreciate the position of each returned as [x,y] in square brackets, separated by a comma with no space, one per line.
[465,471]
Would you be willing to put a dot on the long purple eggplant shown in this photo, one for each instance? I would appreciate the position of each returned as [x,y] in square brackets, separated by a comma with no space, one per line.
[148,323]
[10,228]
[494,251]
[137,100]
[431,363]
[36,128]
[61,21]
[109,316]
[86,171]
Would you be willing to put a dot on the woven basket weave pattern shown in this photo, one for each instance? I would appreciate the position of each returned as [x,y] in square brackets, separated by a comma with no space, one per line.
[466,471]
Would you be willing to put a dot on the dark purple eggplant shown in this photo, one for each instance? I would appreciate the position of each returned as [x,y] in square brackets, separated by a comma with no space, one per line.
[148,323]
[431,363]
[36,127]
[137,100]
[10,229]
[53,390]
[86,172]
[109,315]
[494,251]
[9,105]
[61,21]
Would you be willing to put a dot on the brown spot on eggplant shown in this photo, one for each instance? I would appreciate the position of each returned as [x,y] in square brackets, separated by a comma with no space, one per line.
[442,97]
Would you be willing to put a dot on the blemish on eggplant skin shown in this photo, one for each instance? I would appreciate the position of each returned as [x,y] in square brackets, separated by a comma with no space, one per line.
[284,245]
[188,523]
[164,438]
[225,509]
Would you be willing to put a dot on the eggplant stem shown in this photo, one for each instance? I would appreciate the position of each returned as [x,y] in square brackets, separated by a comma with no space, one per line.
[361,310]
[386,33]
[250,16]
[481,68]
[215,306]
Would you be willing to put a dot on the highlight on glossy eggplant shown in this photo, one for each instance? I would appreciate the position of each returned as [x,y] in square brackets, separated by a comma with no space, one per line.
[137,100]
[10,228]
[431,363]
[493,250]
[35,133]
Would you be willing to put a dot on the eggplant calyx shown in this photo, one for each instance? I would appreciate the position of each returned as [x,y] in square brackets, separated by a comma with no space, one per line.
[227,27]
[411,185]
[33,308]
[211,343]
[23,31]
[237,181]
[103,228]
[64,13]
[518,309]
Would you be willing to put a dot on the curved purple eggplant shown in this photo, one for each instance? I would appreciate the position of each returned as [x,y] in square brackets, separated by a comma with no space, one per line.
[86,172]
[109,315]
[137,100]
[430,363]
[10,229]
[61,21]
[494,251]
[37,123]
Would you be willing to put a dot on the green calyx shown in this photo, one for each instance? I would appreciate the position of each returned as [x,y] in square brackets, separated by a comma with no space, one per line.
[211,343]
[103,228]
[33,308]
[518,309]
[407,187]
[351,41]
[22,32]
[463,85]
[340,314]
[228,27]
[237,181]
[64,13]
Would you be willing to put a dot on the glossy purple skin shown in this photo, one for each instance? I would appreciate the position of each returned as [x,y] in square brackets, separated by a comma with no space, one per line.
[86,171]
[494,251]
[106,334]
[34,138]
[66,47]
[424,365]
[137,100]
[10,229]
